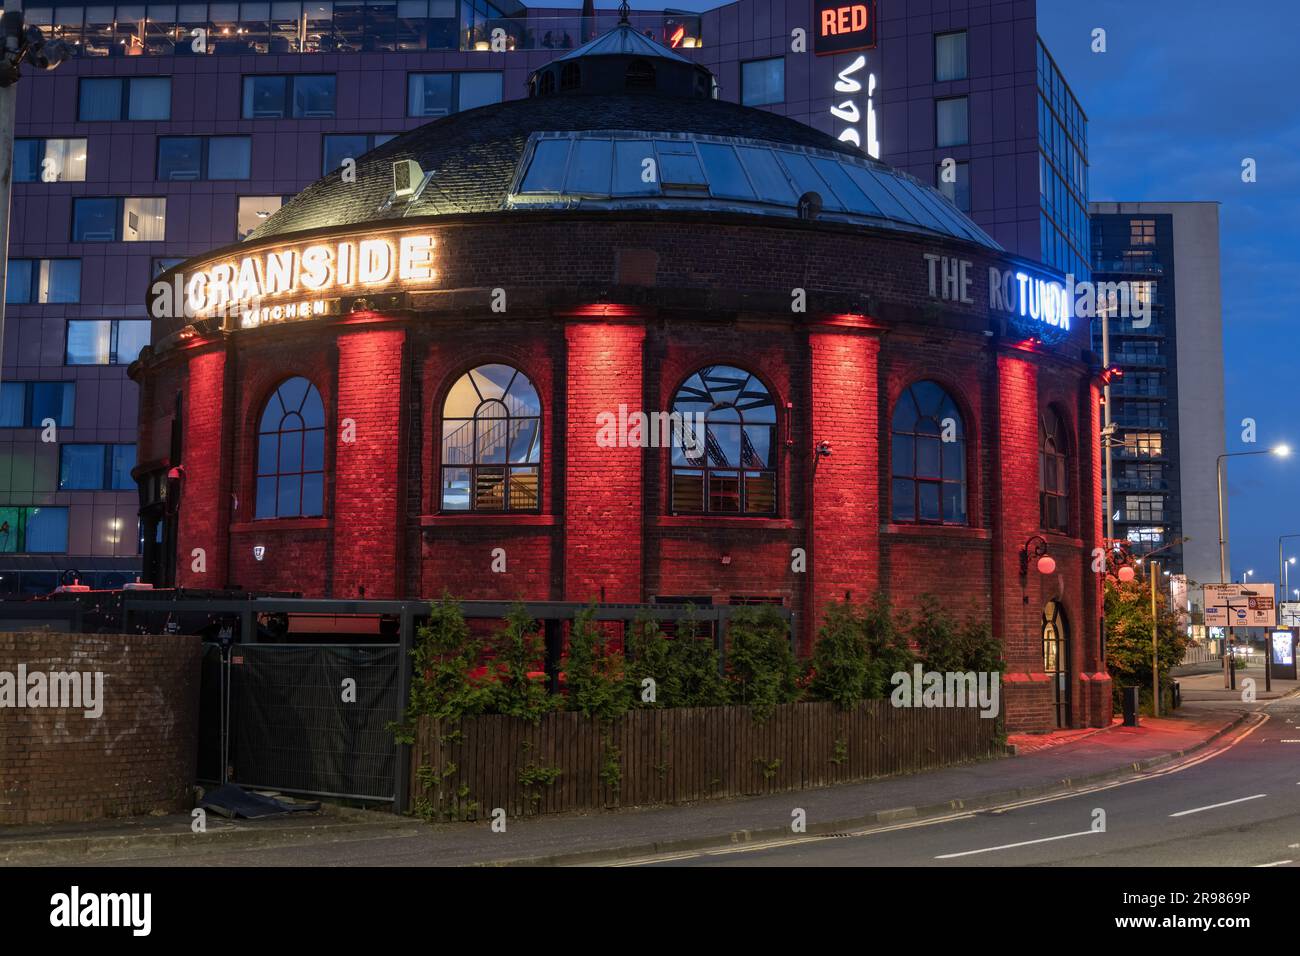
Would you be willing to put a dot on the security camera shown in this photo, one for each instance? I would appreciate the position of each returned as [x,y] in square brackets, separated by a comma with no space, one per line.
[42,53]
[824,449]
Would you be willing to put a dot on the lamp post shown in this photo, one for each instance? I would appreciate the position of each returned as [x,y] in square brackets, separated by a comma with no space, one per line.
[19,43]
[1108,427]
[1283,573]
[1281,451]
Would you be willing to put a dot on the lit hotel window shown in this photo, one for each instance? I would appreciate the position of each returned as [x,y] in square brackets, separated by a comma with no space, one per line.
[957,190]
[284,97]
[1146,508]
[253,211]
[729,469]
[28,404]
[441,94]
[42,530]
[950,56]
[186,158]
[340,146]
[491,442]
[123,98]
[38,281]
[50,160]
[96,467]
[1142,232]
[105,341]
[952,122]
[132,219]
[762,81]
[1146,444]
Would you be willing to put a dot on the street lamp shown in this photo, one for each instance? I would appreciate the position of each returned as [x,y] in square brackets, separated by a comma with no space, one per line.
[1046,564]
[1246,574]
[1282,572]
[1281,451]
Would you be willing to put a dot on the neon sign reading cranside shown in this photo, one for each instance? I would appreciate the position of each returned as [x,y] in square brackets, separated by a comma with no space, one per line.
[293,282]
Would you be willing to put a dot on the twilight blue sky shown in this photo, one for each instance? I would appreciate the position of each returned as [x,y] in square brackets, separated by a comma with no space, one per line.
[1184,92]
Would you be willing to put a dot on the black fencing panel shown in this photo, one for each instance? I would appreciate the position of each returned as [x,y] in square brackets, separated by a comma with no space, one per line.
[210,691]
[297,724]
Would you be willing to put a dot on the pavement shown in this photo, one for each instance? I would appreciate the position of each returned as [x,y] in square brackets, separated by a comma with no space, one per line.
[338,837]
[1204,682]
[1235,803]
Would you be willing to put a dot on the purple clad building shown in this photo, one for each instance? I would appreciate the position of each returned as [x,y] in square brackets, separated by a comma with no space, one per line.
[178,128]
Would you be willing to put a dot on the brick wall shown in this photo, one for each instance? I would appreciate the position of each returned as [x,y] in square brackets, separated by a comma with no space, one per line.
[367,506]
[603,504]
[844,542]
[57,765]
[700,295]
[205,505]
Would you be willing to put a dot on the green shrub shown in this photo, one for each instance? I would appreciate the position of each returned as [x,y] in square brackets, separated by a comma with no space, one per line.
[519,647]
[839,662]
[647,651]
[443,655]
[977,648]
[1128,639]
[888,652]
[594,674]
[761,668]
[695,680]
[933,631]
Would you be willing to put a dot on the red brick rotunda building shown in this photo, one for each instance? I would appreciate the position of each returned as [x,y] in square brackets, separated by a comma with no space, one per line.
[452,365]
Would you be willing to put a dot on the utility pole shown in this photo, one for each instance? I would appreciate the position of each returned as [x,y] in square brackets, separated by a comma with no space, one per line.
[1153,571]
[8,115]
[19,43]
[1107,431]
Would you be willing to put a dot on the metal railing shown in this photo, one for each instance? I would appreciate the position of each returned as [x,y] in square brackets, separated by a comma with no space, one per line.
[1130,266]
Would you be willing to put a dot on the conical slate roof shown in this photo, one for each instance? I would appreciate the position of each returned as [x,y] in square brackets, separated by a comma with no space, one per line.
[623,40]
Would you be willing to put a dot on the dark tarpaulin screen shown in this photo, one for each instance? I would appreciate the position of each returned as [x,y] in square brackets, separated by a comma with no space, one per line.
[296,725]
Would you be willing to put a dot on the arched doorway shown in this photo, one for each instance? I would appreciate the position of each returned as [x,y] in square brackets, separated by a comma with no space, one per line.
[1056,659]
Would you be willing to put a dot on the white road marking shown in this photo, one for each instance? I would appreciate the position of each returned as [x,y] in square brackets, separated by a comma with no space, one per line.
[1011,846]
[1185,764]
[665,858]
[1215,806]
[1260,866]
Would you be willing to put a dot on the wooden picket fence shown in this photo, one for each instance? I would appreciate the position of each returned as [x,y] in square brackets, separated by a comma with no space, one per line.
[463,769]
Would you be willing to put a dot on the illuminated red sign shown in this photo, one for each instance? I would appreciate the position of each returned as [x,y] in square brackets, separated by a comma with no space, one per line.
[841,26]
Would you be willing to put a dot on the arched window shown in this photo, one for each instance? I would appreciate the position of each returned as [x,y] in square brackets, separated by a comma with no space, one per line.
[640,75]
[291,452]
[723,444]
[928,456]
[570,76]
[546,84]
[1053,476]
[491,442]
